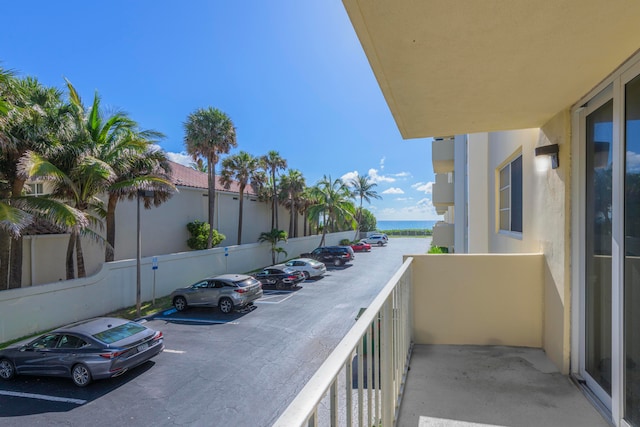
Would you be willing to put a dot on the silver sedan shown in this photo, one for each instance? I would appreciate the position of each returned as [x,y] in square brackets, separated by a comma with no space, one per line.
[104,347]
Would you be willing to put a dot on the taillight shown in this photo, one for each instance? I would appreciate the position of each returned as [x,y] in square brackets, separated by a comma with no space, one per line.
[240,290]
[291,277]
[157,336]
[111,355]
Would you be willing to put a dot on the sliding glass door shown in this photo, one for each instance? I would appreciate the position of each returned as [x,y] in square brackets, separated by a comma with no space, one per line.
[631,364]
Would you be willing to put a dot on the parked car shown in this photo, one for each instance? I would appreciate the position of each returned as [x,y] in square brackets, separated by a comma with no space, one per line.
[280,277]
[361,247]
[336,255]
[376,239]
[227,292]
[309,267]
[93,349]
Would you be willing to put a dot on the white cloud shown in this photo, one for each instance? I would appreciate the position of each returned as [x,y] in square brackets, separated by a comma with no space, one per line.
[182,158]
[421,210]
[382,163]
[393,190]
[404,199]
[425,187]
[403,175]
[633,162]
[349,176]
[374,177]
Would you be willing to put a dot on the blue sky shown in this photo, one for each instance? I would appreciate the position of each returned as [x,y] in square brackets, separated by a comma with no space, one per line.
[291,75]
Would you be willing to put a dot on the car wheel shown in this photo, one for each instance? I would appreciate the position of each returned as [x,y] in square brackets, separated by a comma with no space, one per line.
[306,275]
[380,243]
[7,370]
[281,285]
[81,375]
[225,305]
[337,262]
[180,303]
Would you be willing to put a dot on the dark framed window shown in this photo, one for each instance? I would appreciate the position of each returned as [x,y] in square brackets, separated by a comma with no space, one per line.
[510,208]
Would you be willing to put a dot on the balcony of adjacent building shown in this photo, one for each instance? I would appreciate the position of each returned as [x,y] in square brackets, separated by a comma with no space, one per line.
[442,150]
[443,234]
[452,340]
[442,196]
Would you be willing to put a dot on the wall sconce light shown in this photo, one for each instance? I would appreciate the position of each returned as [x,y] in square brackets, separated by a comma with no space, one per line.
[551,151]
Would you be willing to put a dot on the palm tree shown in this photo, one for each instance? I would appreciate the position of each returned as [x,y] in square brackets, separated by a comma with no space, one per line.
[245,169]
[272,162]
[273,237]
[34,117]
[199,165]
[292,185]
[208,133]
[137,170]
[363,188]
[332,202]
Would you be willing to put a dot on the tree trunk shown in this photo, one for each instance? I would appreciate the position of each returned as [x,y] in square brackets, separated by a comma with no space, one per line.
[5,250]
[15,257]
[212,198]
[240,208]
[306,220]
[71,273]
[15,271]
[292,206]
[80,257]
[111,228]
[275,199]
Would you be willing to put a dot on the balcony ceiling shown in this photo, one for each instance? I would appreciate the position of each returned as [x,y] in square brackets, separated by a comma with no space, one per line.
[464,66]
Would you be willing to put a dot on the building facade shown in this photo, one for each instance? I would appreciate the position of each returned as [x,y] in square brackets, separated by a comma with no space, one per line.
[520,82]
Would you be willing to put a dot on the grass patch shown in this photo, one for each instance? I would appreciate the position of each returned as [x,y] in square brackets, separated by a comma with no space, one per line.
[146,309]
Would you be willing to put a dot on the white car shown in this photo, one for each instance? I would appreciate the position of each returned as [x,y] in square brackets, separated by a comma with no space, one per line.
[376,239]
[307,266]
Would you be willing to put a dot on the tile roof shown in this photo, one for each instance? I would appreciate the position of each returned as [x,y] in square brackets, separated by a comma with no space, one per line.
[185,176]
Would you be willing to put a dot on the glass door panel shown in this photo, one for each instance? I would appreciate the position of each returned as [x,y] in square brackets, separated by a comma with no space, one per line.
[599,144]
[631,365]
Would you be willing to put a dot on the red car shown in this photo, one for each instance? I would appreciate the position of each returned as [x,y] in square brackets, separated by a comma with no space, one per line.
[361,247]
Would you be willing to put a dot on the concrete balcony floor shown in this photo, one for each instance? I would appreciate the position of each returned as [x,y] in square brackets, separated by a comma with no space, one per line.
[459,386]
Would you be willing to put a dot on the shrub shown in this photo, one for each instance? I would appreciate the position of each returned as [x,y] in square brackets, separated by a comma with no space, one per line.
[345,242]
[438,250]
[200,233]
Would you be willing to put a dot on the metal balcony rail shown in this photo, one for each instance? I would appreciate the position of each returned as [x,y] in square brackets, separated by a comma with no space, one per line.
[362,380]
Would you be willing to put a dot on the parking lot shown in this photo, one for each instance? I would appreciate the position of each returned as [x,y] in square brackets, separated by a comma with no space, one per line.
[241,369]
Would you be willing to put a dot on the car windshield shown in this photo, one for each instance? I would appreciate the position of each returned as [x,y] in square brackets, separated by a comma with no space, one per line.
[244,283]
[288,270]
[119,332]
[314,263]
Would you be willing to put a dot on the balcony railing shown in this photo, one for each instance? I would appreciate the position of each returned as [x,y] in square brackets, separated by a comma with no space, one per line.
[362,380]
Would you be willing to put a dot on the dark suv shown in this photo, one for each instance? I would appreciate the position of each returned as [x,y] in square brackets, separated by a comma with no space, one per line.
[336,255]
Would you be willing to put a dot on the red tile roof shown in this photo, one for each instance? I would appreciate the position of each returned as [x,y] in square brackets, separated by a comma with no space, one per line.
[184,176]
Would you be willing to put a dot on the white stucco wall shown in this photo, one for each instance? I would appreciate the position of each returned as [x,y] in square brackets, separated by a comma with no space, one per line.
[502,146]
[478,193]
[163,230]
[33,309]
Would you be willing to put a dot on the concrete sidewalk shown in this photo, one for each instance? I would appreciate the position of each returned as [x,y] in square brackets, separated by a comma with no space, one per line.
[466,386]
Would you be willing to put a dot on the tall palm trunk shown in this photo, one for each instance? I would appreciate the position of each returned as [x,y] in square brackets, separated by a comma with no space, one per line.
[15,257]
[80,257]
[5,250]
[240,209]
[274,206]
[71,272]
[111,228]
[15,271]
[212,197]
[292,216]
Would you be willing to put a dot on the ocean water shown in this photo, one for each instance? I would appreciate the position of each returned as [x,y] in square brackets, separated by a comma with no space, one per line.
[405,225]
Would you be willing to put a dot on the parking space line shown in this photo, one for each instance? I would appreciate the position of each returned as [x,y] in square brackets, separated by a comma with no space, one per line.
[43,397]
[260,301]
[185,319]
[166,350]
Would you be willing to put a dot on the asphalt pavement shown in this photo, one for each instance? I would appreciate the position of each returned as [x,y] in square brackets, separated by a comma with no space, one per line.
[241,369]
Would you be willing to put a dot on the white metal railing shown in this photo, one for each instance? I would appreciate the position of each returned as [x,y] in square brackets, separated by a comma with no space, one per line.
[362,380]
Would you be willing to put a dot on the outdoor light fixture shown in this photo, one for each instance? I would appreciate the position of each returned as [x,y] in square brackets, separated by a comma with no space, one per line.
[551,151]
